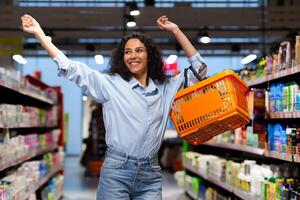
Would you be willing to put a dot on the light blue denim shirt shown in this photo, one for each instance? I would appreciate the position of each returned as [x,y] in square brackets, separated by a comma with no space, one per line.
[135,117]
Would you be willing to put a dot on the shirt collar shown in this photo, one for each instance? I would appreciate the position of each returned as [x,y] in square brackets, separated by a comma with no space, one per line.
[135,83]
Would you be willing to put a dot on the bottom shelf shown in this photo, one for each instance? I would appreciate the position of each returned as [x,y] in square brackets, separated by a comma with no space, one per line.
[190,194]
[41,182]
[237,192]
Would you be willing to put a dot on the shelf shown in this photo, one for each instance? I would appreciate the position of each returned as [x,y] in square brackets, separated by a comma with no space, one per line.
[238,147]
[229,188]
[192,195]
[277,75]
[280,156]
[210,179]
[244,195]
[17,96]
[28,157]
[21,127]
[256,151]
[40,183]
[284,115]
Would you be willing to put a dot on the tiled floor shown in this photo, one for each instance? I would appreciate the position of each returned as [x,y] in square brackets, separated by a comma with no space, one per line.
[79,187]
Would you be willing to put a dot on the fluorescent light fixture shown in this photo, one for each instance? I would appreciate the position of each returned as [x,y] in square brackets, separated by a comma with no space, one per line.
[131,24]
[134,12]
[171,59]
[248,59]
[203,36]
[205,39]
[99,59]
[20,59]
[84,98]
[130,21]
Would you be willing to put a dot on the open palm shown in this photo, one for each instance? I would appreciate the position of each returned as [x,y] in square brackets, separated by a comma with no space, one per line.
[30,25]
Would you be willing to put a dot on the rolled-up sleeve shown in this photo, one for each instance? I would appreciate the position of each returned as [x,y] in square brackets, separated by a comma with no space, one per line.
[197,62]
[63,64]
[199,65]
[91,81]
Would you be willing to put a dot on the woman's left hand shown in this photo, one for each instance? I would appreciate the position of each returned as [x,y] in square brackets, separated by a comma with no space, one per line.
[164,24]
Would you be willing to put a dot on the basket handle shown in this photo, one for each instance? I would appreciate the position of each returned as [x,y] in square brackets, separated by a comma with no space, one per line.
[194,72]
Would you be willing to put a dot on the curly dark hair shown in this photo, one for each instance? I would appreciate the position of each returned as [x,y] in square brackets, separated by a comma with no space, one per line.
[155,63]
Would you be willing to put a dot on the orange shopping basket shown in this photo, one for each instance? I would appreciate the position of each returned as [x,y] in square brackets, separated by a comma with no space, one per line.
[210,107]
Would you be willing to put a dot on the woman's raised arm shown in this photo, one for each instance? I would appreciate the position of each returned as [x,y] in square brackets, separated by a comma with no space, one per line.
[30,25]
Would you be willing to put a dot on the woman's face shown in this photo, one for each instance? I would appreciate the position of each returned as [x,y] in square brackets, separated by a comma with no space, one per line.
[135,57]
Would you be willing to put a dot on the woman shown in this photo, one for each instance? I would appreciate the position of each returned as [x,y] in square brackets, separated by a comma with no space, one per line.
[136,97]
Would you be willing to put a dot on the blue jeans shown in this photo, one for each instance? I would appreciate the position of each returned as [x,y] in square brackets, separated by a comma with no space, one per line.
[126,177]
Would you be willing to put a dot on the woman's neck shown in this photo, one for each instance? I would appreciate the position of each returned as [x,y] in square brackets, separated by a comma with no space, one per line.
[143,80]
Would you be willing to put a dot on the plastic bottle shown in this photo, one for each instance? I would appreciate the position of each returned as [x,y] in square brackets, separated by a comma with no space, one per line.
[297,50]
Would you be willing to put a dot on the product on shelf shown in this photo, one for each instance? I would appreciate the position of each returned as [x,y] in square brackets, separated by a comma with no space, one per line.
[18,116]
[23,146]
[257,181]
[21,182]
[28,104]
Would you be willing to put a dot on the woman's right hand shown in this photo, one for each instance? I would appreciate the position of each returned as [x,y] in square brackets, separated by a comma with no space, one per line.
[30,25]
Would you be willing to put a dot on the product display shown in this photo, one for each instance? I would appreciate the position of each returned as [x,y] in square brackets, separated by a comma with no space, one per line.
[273,104]
[29,129]
[255,181]
[18,184]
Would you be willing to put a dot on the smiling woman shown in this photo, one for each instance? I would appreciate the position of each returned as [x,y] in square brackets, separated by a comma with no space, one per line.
[136,97]
[135,58]
[139,50]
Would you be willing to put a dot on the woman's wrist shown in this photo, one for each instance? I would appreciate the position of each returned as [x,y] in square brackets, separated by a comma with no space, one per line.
[176,30]
[39,34]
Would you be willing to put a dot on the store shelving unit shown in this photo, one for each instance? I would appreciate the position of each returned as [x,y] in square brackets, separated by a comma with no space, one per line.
[252,150]
[289,73]
[20,96]
[41,182]
[274,77]
[237,147]
[29,156]
[229,188]
[27,98]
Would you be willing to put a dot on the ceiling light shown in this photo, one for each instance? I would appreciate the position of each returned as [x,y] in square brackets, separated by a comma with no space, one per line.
[203,36]
[99,59]
[134,10]
[130,22]
[20,59]
[171,59]
[205,39]
[246,60]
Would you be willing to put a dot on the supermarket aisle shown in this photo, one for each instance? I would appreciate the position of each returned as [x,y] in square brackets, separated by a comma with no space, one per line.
[76,185]
[79,187]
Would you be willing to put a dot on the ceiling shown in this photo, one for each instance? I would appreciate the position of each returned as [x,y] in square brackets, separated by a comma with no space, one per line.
[85,30]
